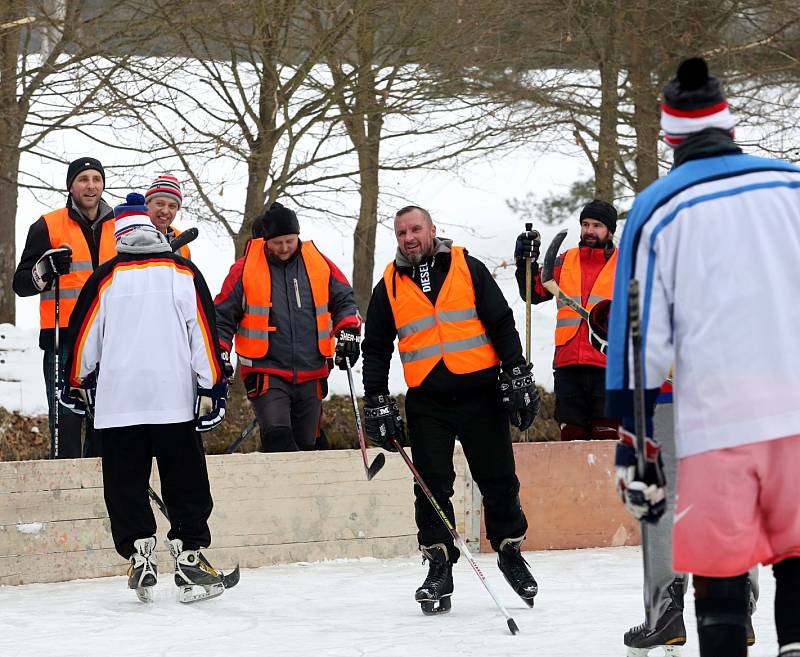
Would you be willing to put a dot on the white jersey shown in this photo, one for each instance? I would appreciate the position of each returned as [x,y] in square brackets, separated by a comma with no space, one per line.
[148,322]
[715,246]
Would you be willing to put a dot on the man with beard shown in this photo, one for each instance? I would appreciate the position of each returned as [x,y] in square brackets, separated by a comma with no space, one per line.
[585,273]
[455,331]
[68,243]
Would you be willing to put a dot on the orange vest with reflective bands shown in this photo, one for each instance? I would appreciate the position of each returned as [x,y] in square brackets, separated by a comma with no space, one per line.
[184,250]
[567,320]
[450,330]
[65,230]
[252,337]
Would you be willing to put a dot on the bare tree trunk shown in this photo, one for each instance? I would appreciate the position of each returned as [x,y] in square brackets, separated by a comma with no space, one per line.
[9,168]
[607,148]
[364,235]
[646,111]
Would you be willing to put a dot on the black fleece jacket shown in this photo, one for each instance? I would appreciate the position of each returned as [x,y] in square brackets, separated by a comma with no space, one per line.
[492,308]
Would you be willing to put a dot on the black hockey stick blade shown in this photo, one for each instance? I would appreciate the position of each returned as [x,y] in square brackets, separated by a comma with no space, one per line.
[512,626]
[231,579]
[158,501]
[550,257]
[189,235]
[242,437]
[376,465]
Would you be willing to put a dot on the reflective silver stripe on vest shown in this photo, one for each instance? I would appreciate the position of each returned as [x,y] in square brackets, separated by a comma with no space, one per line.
[577,299]
[595,298]
[255,334]
[81,265]
[321,310]
[261,311]
[323,334]
[568,321]
[429,321]
[457,315]
[69,293]
[245,361]
[449,348]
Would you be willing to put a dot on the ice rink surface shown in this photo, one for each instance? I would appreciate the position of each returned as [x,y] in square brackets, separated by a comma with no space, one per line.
[587,598]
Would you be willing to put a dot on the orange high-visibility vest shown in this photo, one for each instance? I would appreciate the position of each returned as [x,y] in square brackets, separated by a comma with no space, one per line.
[184,250]
[450,330]
[252,337]
[65,230]
[567,320]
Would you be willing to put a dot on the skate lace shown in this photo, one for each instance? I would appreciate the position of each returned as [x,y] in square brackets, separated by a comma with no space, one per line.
[519,567]
[437,572]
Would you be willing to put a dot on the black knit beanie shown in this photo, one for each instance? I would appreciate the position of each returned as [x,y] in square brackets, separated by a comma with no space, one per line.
[601,211]
[84,164]
[277,221]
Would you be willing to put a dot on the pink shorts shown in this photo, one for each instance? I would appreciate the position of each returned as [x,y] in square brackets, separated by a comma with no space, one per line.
[737,507]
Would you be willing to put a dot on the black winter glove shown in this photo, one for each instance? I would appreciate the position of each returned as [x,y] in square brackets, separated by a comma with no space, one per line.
[347,348]
[527,246]
[227,366]
[382,421]
[519,396]
[54,262]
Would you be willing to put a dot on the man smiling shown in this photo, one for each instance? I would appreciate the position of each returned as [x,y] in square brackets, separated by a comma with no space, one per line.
[164,198]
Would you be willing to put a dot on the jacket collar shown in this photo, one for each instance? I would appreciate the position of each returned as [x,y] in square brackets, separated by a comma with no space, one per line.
[710,142]
[439,246]
[104,212]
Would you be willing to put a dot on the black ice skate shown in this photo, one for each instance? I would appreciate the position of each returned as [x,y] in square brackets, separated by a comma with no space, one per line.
[142,573]
[195,577]
[515,569]
[669,633]
[434,594]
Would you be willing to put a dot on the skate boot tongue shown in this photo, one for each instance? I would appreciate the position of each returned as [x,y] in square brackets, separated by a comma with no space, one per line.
[143,573]
[434,594]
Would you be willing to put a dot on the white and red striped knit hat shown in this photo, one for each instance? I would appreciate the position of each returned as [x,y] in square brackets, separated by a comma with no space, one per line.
[167,186]
[693,101]
[131,215]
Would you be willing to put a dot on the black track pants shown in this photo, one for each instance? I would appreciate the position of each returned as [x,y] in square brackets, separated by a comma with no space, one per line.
[479,421]
[127,460]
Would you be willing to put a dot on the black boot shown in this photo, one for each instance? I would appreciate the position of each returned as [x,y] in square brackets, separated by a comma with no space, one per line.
[515,569]
[669,632]
[434,594]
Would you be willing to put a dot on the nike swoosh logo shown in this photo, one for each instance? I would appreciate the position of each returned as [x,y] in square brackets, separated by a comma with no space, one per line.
[679,516]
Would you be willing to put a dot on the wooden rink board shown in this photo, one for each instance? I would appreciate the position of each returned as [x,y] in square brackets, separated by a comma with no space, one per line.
[268,509]
[569,497]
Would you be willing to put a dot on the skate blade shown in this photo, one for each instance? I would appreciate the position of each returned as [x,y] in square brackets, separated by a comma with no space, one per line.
[655,651]
[188,593]
[145,594]
[433,607]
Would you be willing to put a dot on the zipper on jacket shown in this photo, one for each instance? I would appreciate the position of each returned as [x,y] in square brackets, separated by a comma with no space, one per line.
[297,293]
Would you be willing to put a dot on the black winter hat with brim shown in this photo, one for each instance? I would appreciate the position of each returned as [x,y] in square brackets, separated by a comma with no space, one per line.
[277,221]
[601,211]
[84,164]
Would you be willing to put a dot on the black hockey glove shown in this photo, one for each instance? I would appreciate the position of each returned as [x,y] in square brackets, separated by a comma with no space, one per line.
[519,396]
[54,262]
[382,421]
[80,399]
[227,366]
[644,497]
[209,408]
[528,244]
[347,347]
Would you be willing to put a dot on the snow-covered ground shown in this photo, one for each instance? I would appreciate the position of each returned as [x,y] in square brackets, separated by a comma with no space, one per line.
[356,608]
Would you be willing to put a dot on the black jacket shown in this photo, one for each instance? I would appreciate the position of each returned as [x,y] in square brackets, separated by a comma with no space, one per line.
[492,308]
[38,241]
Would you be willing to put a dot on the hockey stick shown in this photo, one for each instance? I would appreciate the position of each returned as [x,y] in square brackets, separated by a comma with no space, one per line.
[512,626]
[528,287]
[370,469]
[158,501]
[634,321]
[56,363]
[242,437]
[547,276]
[189,235]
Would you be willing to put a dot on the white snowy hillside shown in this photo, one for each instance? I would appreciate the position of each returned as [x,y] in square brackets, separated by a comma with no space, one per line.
[362,608]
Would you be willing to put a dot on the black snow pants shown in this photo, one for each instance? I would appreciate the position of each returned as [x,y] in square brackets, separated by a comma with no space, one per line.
[480,422]
[127,460]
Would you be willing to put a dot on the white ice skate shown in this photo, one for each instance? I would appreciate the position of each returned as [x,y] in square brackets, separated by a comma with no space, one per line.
[195,577]
[143,572]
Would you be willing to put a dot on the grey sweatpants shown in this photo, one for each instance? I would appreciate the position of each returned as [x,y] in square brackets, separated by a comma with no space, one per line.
[660,535]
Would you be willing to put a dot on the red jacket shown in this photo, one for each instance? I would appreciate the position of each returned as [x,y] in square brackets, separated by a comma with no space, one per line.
[578,351]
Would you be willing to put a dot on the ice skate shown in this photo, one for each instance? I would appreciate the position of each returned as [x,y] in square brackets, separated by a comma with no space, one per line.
[195,577]
[669,633]
[143,572]
[434,594]
[515,569]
